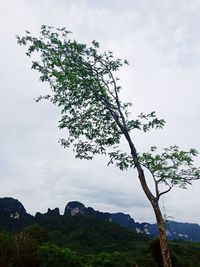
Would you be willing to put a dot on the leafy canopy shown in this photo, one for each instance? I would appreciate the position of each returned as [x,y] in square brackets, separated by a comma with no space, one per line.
[84,85]
[172,167]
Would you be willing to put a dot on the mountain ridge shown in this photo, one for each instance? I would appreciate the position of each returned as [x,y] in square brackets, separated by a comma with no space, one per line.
[14,215]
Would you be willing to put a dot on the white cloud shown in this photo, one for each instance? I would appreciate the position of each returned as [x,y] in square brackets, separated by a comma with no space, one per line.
[161,41]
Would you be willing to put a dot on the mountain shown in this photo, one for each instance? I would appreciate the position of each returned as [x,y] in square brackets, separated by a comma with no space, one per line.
[175,230]
[11,208]
[179,231]
[13,216]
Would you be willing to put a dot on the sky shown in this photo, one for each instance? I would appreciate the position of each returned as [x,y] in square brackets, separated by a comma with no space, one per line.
[161,41]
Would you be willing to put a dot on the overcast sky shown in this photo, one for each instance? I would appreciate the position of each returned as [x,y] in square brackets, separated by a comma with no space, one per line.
[161,41]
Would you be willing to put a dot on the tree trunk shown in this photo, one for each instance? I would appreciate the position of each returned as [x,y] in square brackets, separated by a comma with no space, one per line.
[162,236]
[159,219]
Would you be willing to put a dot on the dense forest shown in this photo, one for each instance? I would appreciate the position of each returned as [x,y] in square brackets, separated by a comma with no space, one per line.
[84,242]
[81,240]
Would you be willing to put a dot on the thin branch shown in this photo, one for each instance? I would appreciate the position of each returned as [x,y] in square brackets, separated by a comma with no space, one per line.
[116,97]
[166,191]
[191,178]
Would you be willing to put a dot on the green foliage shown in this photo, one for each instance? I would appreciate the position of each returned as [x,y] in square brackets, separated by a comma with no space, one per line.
[53,256]
[38,233]
[85,87]
[87,234]
[172,167]
[24,250]
[187,253]
[180,253]
[115,259]
[5,249]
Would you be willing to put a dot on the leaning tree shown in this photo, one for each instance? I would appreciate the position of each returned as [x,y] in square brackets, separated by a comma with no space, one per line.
[84,86]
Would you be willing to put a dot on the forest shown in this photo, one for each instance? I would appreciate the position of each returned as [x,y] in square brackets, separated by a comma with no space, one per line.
[83,241]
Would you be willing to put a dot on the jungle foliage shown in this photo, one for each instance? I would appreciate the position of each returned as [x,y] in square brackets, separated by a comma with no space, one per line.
[38,246]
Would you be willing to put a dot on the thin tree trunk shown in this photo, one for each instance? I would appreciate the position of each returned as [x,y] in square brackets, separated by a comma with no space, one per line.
[153,200]
[159,219]
[162,236]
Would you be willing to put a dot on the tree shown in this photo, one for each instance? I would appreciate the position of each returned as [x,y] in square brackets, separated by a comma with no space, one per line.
[84,86]
[51,255]
[24,250]
[6,248]
[154,247]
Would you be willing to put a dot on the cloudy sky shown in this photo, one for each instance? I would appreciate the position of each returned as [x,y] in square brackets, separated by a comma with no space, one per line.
[161,41]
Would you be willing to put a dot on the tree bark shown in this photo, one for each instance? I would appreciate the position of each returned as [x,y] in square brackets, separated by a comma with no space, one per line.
[162,236]
[159,219]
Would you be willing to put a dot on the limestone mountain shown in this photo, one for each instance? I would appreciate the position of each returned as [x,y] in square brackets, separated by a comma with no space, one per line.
[175,230]
[11,208]
[13,216]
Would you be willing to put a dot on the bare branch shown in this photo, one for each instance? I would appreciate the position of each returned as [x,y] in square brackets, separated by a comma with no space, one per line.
[164,192]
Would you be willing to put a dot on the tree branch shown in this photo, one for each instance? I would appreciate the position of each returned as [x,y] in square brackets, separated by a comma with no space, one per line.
[164,192]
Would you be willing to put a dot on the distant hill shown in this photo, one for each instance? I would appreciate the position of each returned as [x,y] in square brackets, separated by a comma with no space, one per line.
[82,221]
[175,230]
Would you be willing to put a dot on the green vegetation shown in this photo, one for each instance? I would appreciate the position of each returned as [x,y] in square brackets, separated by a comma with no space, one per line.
[81,241]
[85,87]
[87,234]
